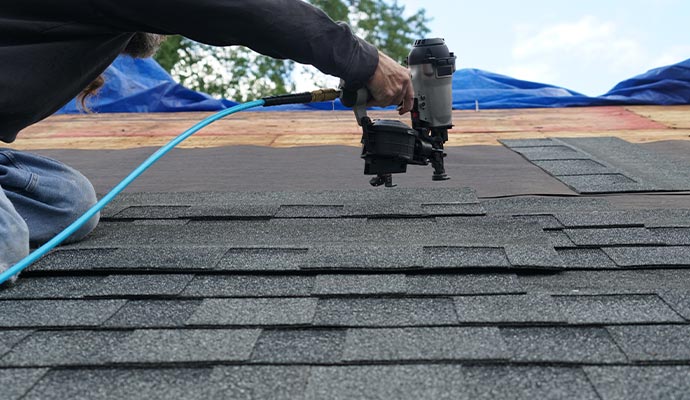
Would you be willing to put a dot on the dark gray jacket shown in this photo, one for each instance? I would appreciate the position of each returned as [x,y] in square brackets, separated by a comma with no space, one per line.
[51,49]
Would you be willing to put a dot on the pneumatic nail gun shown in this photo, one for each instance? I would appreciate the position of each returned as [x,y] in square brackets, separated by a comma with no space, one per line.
[390,145]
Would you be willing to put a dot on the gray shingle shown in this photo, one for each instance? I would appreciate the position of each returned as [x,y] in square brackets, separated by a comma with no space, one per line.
[672,236]
[231,211]
[573,167]
[385,312]
[533,256]
[54,287]
[360,284]
[15,382]
[447,382]
[439,209]
[546,221]
[562,345]
[151,212]
[359,256]
[514,309]
[544,205]
[558,238]
[515,143]
[140,258]
[30,313]
[679,300]
[9,338]
[649,256]
[260,382]
[141,285]
[249,286]
[451,343]
[463,257]
[153,313]
[266,311]
[653,342]
[612,237]
[460,284]
[550,153]
[300,346]
[585,258]
[604,183]
[262,259]
[617,309]
[486,232]
[52,348]
[310,211]
[606,282]
[665,218]
[600,219]
[186,345]
[640,383]
[144,384]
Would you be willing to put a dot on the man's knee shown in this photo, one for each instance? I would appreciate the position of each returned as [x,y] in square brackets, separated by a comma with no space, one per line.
[14,245]
[81,197]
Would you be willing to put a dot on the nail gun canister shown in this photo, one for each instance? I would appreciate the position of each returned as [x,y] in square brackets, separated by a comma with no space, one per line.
[432,66]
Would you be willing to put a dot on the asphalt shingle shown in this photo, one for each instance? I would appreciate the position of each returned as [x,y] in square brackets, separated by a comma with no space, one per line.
[266,311]
[612,237]
[153,314]
[463,284]
[9,338]
[15,382]
[360,284]
[649,256]
[640,383]
[46,313]
[284,346]
[679,300]
[616,309]
[250,286]
[385,312]
[513,309]
[186,345]
[415,344]
[653,342]
[562,345]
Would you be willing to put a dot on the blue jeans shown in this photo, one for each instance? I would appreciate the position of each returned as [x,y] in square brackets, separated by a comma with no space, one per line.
[39,197]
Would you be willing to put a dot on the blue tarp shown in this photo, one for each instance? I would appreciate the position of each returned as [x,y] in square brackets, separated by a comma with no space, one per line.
[135,85]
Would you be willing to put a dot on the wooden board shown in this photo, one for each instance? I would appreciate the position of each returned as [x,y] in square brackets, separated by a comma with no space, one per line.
[292,129]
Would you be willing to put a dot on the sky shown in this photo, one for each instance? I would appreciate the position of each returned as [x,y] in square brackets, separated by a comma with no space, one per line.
[584,45]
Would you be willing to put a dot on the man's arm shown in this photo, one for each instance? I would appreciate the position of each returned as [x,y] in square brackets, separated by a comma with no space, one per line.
[278,28]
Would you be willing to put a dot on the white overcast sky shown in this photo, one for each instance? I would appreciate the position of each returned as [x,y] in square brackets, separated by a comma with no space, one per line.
[584,45]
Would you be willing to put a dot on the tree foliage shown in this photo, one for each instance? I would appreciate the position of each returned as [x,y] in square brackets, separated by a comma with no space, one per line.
[240,74]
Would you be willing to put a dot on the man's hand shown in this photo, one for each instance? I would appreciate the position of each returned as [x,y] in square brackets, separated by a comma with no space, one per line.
[391,84]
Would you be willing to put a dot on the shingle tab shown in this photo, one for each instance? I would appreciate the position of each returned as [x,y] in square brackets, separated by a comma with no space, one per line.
[15,382]
[551,153]
[53,348]
[385,312]
[653,342]
[450,343]
[266,311]
[603,183]
[134,384]
[259,382]
[54,287]
[9,338]
[585,258]
[600,219]
[153,314]
[447,381]
[562,345]
[679,300]
[649,256]
[141,285]
[514,309]
[186,345]
[544,205]
[43,313]
[546,221]
[262,259]
[360,284]
[463,257]
[358,257]
[573,167]
[672,236]
[249,286]
[533,256]
[460,284]
[612,237]
[640,383]
[316,346]
[618,309]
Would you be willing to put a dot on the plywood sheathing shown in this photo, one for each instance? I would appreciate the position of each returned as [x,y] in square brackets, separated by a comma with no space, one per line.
[292,129]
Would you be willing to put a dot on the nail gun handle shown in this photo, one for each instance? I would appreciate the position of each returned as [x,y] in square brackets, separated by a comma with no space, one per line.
[357,100]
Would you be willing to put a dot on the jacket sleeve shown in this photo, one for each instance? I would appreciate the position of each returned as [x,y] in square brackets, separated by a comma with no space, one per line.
[290,29]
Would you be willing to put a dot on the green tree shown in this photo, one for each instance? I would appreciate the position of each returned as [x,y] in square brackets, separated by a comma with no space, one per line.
[240,74]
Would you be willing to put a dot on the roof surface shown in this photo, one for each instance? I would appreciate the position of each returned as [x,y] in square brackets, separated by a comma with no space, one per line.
[395,294]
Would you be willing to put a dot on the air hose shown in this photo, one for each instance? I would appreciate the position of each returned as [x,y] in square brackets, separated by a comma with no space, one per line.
[300,98]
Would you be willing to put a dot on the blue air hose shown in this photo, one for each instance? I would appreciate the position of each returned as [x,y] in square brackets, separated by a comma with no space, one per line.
[67,232]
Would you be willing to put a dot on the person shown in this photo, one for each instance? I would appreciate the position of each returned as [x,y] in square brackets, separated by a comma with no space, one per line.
[51,51]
